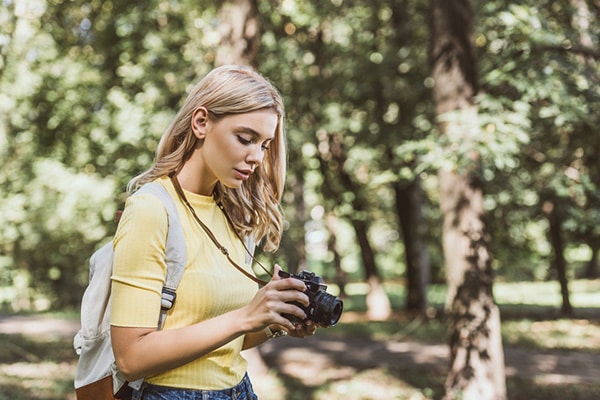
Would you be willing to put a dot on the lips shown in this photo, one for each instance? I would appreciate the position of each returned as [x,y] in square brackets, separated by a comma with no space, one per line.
[243,174]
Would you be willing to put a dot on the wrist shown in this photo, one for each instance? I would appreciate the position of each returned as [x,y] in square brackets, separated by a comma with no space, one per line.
[243,322]
[274,333]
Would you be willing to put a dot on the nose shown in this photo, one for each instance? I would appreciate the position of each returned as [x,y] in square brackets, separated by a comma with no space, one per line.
[255,155]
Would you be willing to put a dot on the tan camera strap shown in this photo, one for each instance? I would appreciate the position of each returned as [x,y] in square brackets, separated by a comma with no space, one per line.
[212,237]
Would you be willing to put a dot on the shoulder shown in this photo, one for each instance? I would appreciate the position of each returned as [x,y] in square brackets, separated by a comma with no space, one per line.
[145,207]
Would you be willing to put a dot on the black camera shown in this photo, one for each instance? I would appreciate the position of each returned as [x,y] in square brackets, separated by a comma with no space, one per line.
[323,309]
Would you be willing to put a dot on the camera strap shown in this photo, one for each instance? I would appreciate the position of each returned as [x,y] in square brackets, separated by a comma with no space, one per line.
[212,237]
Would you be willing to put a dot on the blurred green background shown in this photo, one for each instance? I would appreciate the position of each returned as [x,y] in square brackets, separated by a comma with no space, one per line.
[88,86]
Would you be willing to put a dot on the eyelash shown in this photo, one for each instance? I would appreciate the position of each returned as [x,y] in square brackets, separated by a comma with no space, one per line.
[247,142]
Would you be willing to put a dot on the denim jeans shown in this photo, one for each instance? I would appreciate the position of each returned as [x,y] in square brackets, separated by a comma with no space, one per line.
[242,391]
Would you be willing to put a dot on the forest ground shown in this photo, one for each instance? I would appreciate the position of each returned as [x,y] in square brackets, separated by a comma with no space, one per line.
[327,366]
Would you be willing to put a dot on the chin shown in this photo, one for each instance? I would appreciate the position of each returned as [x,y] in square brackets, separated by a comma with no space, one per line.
[232,185]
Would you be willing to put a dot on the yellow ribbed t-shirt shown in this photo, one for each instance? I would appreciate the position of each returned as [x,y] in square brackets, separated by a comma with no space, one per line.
[210,285]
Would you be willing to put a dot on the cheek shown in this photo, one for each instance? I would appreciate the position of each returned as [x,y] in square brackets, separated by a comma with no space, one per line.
[225,152]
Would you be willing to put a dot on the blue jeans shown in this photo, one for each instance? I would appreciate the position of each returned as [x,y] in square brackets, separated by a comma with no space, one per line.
[241,391]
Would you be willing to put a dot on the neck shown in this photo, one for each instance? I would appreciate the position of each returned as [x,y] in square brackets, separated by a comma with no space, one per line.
[191,180]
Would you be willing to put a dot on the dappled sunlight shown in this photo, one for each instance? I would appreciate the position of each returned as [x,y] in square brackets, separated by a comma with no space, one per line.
[371,384]
[546,363]
[557,379]
[24,370]
[367,368]
[556,367]
[24,325]
[302,363]
[40,378]
[354,368]
[356,365]
[420,353]
[576,334]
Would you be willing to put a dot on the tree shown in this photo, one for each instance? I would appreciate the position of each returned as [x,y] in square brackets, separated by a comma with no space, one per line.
[587,62]
[239,31]
[407,187]
[315,67]
[409,204]
[89,85]
[333,158]
[549,75]
[476,355]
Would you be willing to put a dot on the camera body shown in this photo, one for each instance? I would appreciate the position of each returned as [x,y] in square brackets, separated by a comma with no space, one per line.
[324,309]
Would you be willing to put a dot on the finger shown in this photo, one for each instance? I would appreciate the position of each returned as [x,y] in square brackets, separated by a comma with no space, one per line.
[303,330]
[291,310]
[280,292]
[287,283]
[289,286]
[276,270]
[295,296]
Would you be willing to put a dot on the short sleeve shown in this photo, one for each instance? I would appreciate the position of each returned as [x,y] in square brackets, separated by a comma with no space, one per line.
[139,262]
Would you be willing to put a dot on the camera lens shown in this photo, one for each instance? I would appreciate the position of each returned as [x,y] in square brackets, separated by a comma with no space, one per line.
[327,309]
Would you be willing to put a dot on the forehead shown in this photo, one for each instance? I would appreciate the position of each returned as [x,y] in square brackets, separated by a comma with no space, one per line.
[260,123]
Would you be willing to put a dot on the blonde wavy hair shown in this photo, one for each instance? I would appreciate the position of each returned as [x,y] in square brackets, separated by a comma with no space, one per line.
[254,208]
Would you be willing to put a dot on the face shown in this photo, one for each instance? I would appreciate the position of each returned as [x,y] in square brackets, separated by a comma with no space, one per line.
[234,146]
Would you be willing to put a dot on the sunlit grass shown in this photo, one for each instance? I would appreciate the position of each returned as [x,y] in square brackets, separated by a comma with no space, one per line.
[582,293]
[529,309]
[567,334]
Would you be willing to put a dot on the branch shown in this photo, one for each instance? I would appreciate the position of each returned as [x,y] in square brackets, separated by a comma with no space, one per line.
[579,50]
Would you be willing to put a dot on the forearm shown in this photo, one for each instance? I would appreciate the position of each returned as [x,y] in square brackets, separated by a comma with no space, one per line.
[140,352]
[253,339]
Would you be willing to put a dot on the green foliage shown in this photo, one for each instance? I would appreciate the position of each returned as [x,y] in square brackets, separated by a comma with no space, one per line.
[88,86]
[354,76]
[538,90]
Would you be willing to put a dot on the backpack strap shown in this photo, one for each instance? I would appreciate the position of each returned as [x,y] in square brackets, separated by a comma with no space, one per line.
[175,256]
[175,253]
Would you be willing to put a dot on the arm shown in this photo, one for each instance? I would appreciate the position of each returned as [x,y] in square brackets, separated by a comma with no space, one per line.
[253,339]
[141,352]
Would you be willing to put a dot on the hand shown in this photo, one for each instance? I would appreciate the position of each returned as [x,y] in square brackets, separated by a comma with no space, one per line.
[308,328]
[273,300]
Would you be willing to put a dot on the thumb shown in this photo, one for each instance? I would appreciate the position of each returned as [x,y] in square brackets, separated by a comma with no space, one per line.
[276,270]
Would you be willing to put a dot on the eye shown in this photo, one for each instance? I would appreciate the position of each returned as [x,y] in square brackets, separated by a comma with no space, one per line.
[243,140]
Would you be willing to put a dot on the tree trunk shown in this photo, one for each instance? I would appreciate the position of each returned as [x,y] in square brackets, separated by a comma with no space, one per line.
[476,354]
[408,208]
[240,37]
[592,270]
[378,303]
[558,247]
[340,275]
[240,33]
[295,238]
[581,20]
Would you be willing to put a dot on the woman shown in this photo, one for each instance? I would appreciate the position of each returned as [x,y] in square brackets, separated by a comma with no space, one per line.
[224,148]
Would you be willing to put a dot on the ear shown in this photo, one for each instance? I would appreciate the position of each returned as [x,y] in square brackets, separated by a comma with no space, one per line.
[199,122]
